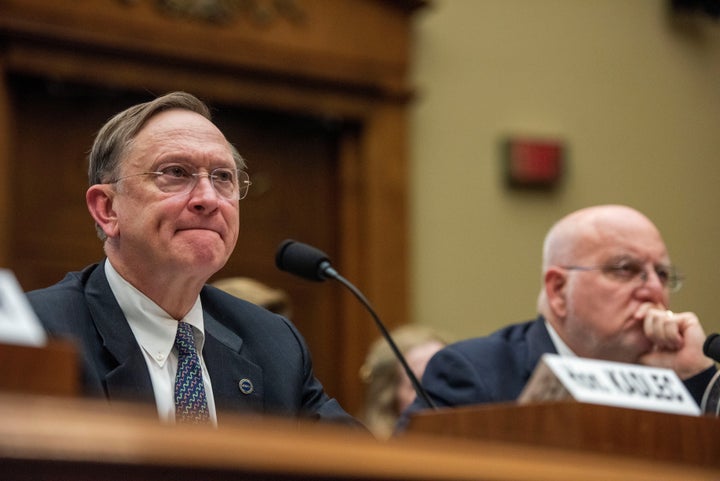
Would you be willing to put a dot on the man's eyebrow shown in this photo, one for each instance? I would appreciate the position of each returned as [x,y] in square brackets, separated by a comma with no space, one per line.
[174,157]
[623,257]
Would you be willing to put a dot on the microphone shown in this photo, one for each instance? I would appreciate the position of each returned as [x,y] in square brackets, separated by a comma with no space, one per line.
[711,347]
[710,403]
[313,264]
[304,261]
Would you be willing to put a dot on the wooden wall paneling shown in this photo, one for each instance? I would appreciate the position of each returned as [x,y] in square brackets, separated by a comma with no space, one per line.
[5,167]
[387,232]
[375,225]
[53,126]
[362,43]
[357,328]
[152,75]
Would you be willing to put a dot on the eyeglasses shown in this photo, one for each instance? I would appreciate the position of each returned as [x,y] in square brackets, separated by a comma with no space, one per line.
[631,269]
[231,184]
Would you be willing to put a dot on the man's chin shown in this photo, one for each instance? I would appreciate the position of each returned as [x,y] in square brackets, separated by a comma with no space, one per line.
[195,235]
[630,349]
[641,349]
[199,258]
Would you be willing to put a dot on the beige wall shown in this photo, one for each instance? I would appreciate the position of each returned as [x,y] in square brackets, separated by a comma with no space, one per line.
[635,98]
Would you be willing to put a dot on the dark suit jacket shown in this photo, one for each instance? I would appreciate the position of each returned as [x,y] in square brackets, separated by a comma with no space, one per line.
[496,368]
[242,342]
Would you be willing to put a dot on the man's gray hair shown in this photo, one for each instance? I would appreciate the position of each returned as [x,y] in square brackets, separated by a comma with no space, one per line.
[115,138]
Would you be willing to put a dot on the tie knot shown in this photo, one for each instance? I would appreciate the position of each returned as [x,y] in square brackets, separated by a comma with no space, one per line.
[184,338]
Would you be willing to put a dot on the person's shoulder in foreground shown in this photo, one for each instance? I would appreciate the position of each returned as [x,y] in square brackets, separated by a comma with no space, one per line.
[606,285]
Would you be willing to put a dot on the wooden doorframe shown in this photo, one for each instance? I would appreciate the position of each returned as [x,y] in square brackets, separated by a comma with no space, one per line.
[316,66]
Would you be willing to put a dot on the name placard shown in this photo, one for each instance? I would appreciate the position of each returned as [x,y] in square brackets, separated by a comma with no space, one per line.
[608,383]
[18,322]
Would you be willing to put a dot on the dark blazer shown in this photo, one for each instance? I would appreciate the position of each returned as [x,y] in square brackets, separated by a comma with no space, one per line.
[496,368]
[243,342]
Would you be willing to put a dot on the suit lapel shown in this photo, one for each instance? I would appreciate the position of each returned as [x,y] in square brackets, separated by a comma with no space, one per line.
[125,374]
[237,382]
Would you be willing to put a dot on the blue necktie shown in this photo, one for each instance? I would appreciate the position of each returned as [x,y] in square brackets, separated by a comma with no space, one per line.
[190,401]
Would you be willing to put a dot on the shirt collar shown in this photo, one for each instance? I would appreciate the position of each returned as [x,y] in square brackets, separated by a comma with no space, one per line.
[154,329]
[559,344]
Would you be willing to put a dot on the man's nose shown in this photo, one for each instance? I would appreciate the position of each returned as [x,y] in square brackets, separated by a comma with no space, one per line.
[650,276]
[203,193]
[653,288]
[203,181]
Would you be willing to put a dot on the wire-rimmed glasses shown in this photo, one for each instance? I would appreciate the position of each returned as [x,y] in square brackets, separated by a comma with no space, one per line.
[229,183]
[627,270]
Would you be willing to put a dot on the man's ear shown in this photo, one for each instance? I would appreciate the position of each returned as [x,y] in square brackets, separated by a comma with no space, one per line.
[99,199]
[556,291]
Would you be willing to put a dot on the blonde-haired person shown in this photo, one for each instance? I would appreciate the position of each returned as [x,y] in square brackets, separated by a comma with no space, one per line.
[388,388]
[251,290]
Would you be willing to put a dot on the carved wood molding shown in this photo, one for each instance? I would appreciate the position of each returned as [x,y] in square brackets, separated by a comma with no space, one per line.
[363,45]
[260,13]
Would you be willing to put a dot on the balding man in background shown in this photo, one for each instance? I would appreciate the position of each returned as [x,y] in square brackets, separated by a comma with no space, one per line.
[606,285]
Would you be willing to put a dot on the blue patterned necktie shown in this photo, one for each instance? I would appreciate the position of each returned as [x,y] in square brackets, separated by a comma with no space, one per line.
[190,401]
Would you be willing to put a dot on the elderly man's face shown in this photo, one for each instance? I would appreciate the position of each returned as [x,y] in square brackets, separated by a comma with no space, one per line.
[165,232]
[602,319]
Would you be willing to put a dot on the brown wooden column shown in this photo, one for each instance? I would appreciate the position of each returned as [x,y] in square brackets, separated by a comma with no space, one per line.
[5,169]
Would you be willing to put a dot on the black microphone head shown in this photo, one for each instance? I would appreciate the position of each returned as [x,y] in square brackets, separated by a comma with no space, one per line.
[711,347]
[302,260]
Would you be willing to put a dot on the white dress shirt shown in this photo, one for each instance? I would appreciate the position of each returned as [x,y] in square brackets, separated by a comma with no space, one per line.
[560,345]
[154,331]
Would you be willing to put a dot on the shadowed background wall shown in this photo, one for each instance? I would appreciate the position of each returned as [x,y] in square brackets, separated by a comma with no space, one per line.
[632,90]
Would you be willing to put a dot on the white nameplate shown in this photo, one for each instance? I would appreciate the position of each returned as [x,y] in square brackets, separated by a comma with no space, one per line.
[608,383]
[18,322]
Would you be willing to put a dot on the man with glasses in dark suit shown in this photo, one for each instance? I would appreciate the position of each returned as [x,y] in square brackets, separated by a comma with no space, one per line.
[165,191]
[606,285]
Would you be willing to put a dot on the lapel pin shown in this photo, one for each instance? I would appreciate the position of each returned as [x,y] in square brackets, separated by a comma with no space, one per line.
[246,386]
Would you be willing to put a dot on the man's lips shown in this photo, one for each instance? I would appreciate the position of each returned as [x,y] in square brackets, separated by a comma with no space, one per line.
[201,228]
